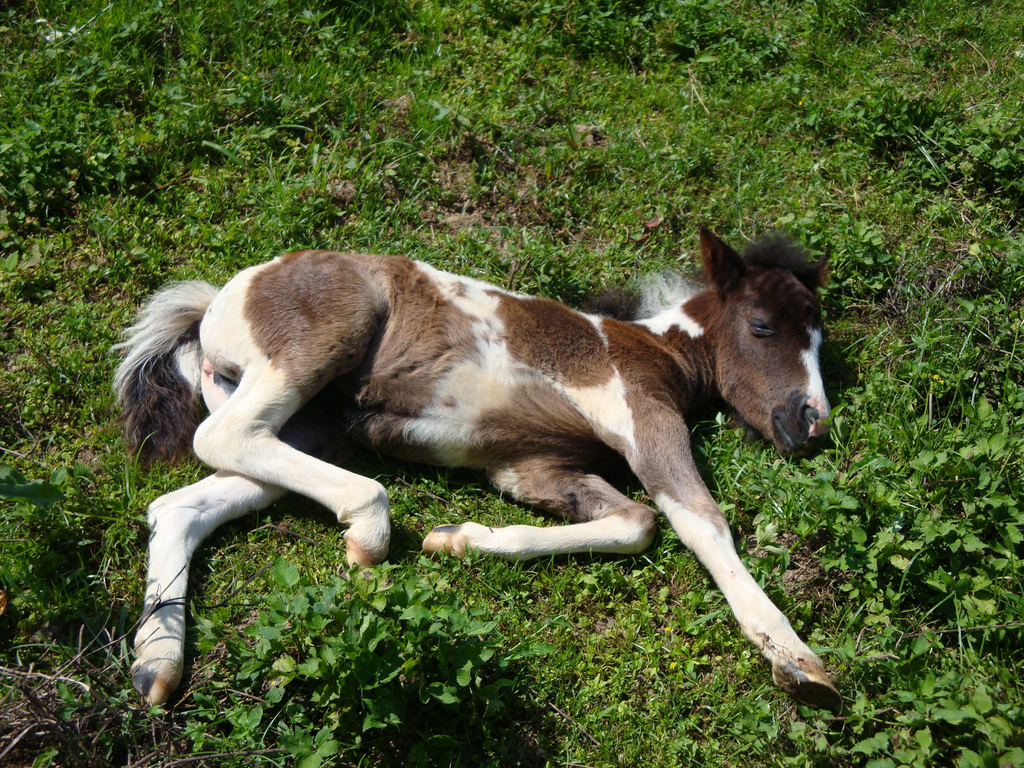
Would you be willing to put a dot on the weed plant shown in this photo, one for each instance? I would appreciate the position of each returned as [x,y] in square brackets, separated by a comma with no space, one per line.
[557,148]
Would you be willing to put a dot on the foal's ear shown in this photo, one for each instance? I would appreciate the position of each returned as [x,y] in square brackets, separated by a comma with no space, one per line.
[813,274]
[723,267]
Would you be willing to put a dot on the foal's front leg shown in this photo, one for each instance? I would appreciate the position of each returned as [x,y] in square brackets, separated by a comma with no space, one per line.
[664,464]
[178,523]
[603,520]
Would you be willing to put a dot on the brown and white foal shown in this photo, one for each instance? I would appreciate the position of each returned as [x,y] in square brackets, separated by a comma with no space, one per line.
[316,353]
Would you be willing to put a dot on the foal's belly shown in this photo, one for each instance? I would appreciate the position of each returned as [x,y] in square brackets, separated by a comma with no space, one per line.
[481,427]
[482,409]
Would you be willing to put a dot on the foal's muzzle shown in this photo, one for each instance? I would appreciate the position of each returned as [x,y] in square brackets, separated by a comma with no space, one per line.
[799,425]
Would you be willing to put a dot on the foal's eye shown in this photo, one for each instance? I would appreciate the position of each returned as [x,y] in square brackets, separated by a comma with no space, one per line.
[760,328]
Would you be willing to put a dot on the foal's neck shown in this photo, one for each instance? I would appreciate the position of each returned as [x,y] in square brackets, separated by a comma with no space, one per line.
[681,352]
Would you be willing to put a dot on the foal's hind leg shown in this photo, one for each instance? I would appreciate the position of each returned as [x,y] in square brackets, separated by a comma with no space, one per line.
[604,519]
[290,327]
[178,522]
[241,436]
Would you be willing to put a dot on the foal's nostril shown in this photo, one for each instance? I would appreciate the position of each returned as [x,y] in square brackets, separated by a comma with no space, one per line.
[803,409]
[809,414]
[800,424]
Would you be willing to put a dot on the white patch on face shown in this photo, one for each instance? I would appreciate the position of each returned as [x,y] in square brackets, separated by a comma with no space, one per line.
[674,317]
[815,385]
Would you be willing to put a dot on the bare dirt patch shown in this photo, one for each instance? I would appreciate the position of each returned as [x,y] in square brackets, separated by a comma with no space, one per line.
[482,185]
[804,578]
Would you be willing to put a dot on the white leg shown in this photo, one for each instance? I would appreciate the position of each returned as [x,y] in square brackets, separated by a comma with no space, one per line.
[604,519]
[795,667]
[612,534]
[178,522]
[241,436]
[523,542]
[664,464]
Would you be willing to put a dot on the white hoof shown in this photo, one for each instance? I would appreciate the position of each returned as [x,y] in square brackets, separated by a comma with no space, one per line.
[455,539]
[156,679]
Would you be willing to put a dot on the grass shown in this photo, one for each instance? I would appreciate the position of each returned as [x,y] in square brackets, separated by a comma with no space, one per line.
[555,147]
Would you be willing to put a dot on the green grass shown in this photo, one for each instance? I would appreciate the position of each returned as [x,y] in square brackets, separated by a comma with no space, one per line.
[147,141]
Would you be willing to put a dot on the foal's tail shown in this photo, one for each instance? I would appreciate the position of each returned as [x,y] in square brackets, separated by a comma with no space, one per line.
[157,383]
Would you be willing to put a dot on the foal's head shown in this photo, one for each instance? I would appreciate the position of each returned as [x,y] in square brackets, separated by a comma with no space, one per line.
[767,338]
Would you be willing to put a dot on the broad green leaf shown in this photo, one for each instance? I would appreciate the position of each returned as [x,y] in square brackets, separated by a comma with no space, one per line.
[924,738]
[285,574]
[14,485]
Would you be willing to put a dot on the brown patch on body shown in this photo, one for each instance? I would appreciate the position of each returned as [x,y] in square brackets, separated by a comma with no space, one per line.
[423,338]
[379,333]
[555,340]
[537,422]
[314,314]
[653,368]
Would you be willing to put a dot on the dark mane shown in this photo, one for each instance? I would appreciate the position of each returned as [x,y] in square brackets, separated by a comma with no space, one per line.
[775,251]
[778,251]
[622,303]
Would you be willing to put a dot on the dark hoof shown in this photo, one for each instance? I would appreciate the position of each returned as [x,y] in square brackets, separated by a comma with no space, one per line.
[807,682]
